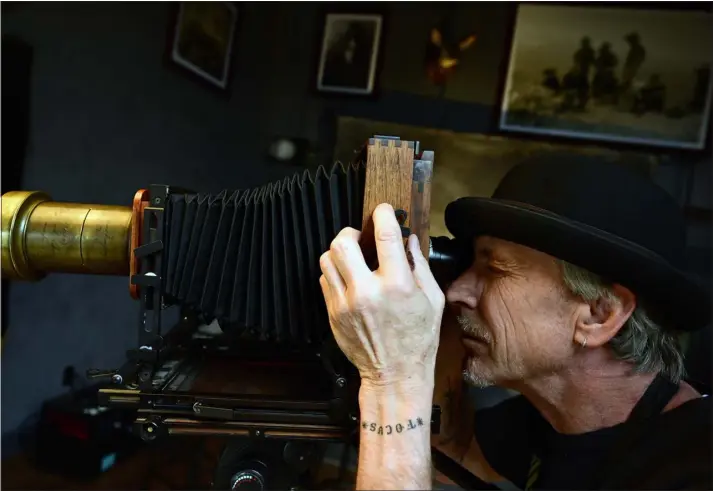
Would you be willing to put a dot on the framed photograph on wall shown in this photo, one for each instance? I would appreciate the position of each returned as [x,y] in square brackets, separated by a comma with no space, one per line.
[623,75]
[349,53]
[472,164]
[202,40]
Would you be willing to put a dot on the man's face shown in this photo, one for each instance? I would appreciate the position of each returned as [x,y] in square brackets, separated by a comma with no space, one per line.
[516,315]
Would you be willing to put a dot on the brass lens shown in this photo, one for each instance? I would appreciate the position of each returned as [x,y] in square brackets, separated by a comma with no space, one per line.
[41,236]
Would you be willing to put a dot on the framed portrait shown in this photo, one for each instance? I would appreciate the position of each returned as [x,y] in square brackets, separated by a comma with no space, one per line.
[621,75]
[202,40]
[349,53]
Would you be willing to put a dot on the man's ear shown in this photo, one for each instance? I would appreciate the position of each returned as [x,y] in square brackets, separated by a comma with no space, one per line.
[604,317]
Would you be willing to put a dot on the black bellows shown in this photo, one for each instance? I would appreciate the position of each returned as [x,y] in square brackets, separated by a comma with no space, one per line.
[250,258]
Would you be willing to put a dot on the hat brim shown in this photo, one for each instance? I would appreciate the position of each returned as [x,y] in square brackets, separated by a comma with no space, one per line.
[681,299]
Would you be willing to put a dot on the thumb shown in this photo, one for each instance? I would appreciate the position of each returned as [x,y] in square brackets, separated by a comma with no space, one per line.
[421,271]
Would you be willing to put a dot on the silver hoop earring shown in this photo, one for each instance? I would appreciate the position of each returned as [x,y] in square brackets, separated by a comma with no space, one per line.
[584,343]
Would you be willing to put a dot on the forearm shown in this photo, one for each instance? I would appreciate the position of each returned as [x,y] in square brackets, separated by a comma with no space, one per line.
[456,438]
[450,393]
[395,436]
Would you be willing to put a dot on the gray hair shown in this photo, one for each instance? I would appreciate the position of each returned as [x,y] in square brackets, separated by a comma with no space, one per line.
[641,341]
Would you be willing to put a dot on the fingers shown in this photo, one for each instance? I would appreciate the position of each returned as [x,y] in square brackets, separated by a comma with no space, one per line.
[348,259]
[422,272]
[389,245]
[334,282]
[325,290]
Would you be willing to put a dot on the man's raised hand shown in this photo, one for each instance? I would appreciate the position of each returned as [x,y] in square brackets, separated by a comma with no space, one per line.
[387,322]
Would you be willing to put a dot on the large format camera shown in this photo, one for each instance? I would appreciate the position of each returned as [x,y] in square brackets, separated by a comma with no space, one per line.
[252,355]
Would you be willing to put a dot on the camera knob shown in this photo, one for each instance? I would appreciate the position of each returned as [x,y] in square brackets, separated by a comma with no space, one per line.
[247,480]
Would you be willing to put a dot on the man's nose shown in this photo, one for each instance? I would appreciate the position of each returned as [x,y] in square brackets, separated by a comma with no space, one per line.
[465,290]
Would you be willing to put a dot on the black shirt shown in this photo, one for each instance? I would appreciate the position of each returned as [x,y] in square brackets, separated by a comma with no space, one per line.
[673,453]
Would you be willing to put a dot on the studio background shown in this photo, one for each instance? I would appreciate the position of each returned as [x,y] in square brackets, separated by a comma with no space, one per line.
[107,117]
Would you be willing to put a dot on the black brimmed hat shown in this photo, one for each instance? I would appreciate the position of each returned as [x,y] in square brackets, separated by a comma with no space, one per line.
[602,217]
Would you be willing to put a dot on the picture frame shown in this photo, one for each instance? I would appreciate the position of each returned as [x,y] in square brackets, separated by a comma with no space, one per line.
[350,52]
[612,75]
[473,164]
[202,40]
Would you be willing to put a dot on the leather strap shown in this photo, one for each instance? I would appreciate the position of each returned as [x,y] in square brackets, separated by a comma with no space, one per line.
[658,394]
[652,403]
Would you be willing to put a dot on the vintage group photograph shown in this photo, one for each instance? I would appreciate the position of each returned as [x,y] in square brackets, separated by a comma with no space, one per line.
[637,76]
[472,164]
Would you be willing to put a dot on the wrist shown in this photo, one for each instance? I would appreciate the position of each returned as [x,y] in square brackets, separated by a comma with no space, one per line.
[415,388]
[387,382]
[410,395]
[396,410]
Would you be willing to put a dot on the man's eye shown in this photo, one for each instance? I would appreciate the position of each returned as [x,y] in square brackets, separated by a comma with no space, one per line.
[494,269]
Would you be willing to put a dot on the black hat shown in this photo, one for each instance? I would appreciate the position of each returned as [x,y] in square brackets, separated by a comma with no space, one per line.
[600,216]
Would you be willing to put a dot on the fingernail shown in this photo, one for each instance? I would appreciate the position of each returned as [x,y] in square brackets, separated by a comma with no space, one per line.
[409,258]
[413,241]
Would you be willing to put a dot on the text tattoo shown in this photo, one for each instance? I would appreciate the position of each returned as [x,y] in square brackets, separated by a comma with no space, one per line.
[391,429]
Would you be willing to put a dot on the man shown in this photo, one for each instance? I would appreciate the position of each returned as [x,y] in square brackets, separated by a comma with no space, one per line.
[575,86]
[572,300]
[604,82]
[584,58]
[634,59]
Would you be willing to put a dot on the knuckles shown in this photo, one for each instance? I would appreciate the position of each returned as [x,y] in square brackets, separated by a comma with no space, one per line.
[363,301]
[348,234]
[341,243]
[387,234]
[371,298]
[324,260]
[348,231]
[399,289]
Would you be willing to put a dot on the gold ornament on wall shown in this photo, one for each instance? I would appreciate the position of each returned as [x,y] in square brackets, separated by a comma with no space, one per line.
[443,53]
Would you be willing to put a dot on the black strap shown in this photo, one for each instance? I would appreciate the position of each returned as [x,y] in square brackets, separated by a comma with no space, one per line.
[658,394]
[457,473]
[652,403]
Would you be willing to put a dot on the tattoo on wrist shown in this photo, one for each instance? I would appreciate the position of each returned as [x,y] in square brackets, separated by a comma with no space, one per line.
[392,429]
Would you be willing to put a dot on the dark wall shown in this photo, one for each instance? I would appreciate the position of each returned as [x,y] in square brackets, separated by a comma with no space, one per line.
[16,69]
[108,118]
